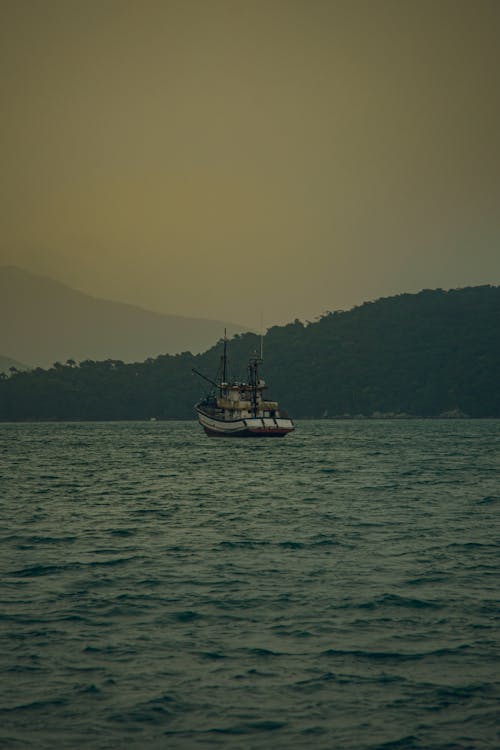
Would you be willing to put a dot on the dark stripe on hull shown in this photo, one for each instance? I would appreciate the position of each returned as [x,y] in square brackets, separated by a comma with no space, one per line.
[247,433]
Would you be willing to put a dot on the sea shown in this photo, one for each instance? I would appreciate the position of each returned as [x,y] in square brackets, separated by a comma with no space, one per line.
[334,589]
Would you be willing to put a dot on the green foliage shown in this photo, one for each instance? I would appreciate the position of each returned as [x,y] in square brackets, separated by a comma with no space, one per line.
[419,354]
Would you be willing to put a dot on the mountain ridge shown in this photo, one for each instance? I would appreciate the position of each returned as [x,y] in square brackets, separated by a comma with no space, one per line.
[430,354]
[50,321]
[6,363]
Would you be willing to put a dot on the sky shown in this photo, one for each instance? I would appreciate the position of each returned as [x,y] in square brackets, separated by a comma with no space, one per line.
[239,160]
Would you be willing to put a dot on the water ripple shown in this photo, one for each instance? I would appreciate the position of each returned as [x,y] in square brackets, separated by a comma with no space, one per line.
[337,589]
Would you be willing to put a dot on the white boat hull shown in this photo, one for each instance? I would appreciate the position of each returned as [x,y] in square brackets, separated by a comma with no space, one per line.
[248,427]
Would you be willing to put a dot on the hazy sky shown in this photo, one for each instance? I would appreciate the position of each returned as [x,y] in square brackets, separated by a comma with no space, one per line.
[223,158]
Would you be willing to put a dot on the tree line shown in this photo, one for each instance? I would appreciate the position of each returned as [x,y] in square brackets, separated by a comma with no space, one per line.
[427,354]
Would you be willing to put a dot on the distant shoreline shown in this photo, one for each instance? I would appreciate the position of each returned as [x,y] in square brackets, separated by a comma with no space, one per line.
[357,418]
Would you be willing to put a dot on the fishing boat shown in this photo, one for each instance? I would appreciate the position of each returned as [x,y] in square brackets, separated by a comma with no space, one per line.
[239,409]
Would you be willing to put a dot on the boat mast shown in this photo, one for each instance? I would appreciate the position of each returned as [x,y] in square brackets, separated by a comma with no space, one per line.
[252,378]
[261,338]
[224,359]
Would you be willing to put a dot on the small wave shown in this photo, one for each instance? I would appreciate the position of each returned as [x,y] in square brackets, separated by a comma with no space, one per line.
[463,692]
[95,650]
[244,544]
[393,655]
[325,543]
[238,729]
[89,689]
[285,632]
[488,500]
[110,650]
[19,668]
[212,655]
[31,541]
[187,615]
[323,540]
[426,579]
[149,511]
[267,726]
[263,652]
[313,731]
[371,655]
[394,600]
[152,712]
[315,683]
[110,563]
[472,545]
[408,742]
[33,571]
[259,726]
[35,706]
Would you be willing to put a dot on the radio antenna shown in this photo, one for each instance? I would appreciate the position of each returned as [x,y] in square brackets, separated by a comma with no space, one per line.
[224,359]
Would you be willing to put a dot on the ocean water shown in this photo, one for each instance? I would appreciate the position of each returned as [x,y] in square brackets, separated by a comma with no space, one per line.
[337,588]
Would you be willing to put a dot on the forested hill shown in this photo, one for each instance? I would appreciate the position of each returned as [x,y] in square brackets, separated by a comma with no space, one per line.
[423,354]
